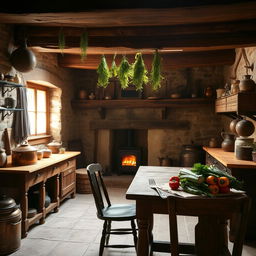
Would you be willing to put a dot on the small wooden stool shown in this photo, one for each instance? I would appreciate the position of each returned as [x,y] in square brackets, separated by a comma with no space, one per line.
[82,182]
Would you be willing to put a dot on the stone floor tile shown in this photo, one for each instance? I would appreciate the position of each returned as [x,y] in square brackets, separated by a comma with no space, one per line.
[69,249]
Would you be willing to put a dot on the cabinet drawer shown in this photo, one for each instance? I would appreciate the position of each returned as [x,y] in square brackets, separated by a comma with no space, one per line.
[232,103]
[220,105]
[67,165]
[67,181]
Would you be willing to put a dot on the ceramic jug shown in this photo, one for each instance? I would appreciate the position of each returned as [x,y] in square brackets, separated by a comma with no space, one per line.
[3,158]
[247,84]
[228,143]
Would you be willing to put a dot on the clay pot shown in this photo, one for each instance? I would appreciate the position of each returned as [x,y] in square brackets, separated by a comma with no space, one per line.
[23,59]
[245,128]
[191,154]
[24,154]
[54,146]
[247,84]
[165,161]
[232,125]
[244,153]
[228,144]
[213,143]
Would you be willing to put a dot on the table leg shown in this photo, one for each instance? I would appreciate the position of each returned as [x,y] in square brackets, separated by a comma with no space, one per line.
[210,236]
[42,202]
[144,220]
[24,210]
[56,192]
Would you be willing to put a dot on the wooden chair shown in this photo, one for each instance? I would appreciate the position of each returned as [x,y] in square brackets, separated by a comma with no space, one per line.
[110,212]
[211,230]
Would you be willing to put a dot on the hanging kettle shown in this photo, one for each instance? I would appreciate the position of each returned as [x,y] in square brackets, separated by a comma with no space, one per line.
[23,59]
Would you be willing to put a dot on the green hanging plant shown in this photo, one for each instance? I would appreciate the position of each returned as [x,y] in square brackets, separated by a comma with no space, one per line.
[113,70]
[61,42]
[155,75]
[124,73]
[84,45]
[103,73]
[139,72]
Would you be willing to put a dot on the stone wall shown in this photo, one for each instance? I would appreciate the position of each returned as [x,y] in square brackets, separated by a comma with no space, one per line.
[47,70]
[204,123]
[240,71]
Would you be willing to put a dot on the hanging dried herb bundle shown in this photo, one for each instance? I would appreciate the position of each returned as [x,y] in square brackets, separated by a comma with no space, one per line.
[124,73]
[61,41]
[113,69]
[103,73]
[84,44]
[155,75]
[139,72]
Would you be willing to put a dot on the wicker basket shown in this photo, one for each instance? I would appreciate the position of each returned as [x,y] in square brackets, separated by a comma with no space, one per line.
[82,182]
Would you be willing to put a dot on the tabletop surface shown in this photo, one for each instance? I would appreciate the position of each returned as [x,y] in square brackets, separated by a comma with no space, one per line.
[140,187]
[40,164]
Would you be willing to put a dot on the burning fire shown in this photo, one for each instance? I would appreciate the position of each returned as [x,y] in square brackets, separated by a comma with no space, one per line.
[129,160]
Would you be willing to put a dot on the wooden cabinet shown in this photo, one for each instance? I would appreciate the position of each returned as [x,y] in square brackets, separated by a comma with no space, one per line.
[67,179]
[55,175]
[240,103]
[242,170]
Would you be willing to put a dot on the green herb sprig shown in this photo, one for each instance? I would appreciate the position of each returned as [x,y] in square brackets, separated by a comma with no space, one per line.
[61,41]
[124,73]
[155,75]
[113,70]
[103,73]
[139,72]
[84,45]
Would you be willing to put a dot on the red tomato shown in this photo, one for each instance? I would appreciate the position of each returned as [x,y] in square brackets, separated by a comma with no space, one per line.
[225,190]
[174,182]
[214,189]
[212,180]
[223,181]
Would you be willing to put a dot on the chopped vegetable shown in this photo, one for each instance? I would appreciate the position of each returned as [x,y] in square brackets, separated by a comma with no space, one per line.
[212,180]
[187,174]
[84,45]
[223,181]
[214,189]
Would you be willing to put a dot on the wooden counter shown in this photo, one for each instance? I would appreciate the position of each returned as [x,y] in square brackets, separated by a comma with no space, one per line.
[55,175]
[242,170]
[228,159]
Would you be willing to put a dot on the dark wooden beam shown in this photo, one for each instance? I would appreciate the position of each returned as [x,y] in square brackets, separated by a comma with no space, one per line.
[138,17]
[169,61]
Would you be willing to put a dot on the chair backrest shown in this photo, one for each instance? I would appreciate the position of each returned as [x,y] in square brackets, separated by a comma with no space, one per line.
[218,208]
[98,187]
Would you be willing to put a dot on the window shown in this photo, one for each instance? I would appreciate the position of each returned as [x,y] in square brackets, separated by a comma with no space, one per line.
[38,109]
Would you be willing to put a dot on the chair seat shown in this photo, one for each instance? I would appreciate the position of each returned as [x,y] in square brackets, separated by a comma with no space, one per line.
[119,212]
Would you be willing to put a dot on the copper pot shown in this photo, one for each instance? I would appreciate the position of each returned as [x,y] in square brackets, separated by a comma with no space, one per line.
[24,154]
[54,146]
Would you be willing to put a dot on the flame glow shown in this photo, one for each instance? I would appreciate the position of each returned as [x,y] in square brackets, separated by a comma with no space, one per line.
[129,160]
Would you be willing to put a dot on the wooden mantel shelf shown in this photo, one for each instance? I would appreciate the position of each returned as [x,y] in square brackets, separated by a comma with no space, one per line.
[228,159]
[141,103]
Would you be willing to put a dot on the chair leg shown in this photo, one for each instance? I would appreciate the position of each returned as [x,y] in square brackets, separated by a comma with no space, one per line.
[134,232]
[108,231]
[103,238]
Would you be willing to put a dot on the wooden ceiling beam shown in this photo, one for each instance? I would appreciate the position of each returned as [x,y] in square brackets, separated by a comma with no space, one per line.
[211,41]
[138,17]
[207,28]
[169,61]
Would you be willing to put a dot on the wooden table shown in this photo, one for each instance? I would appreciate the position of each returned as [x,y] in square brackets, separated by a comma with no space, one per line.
[55,174]
[148,202]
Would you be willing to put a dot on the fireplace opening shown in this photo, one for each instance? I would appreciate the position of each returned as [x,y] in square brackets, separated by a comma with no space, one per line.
[130,150]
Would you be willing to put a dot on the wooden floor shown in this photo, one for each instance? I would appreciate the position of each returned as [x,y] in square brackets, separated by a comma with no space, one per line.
[76,231]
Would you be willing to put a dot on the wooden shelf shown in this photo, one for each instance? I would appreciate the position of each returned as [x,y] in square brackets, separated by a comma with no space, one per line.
[242,103]
[228,159]
[141,103]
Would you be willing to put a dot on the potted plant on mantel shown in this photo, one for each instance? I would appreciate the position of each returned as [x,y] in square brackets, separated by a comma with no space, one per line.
[254,152]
